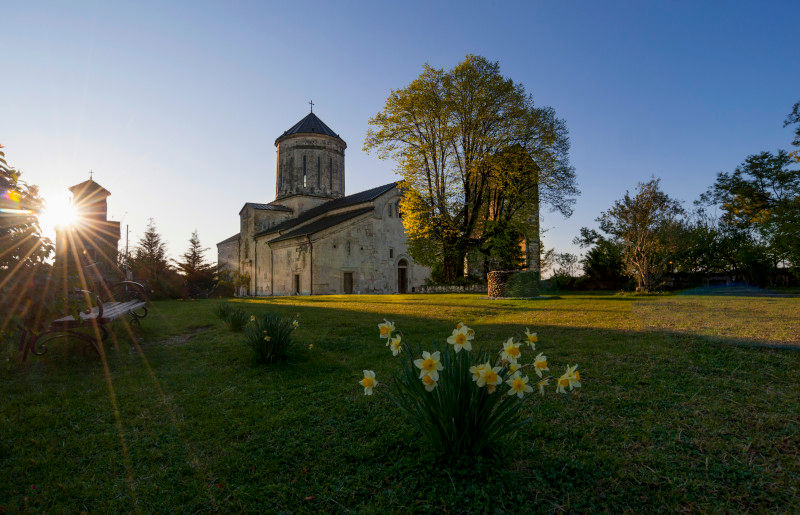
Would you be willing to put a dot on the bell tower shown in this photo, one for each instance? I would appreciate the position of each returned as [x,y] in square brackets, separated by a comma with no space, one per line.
[310,161]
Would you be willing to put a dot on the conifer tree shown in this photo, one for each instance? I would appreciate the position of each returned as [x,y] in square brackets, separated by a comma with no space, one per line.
[198,274]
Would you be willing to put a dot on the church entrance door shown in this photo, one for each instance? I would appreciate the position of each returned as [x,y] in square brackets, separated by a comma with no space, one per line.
[402,276]
[348,282]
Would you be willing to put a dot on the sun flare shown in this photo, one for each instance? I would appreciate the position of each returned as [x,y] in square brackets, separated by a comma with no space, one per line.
[58,212]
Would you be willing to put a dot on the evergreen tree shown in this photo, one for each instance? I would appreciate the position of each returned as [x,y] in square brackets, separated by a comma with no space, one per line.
[198,274]
[149,263]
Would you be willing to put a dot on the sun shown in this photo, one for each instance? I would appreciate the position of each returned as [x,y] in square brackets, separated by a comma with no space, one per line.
[58,212]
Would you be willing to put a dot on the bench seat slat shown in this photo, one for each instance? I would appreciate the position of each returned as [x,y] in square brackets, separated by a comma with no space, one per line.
[111,311]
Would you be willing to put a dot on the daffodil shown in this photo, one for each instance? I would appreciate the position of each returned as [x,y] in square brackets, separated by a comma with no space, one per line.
[477,370]
[540,364]
[461,338]
[429,365]
[490,377]
[571,379]
[542,383]
[267,338]
[394,344]
[386,328]
[510,352]
[252,318]
[574,377]
[429,382]
[368,382]
[519,385]
[532,338]
[295,323]
[310,346]
[513,367]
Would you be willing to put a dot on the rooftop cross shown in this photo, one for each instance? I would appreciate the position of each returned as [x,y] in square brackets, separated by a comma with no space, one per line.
[311,102]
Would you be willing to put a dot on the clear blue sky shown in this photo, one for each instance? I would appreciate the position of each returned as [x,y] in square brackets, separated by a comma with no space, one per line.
[176,108]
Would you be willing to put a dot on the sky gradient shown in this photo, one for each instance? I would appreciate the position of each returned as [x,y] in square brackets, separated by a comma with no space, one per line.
[176,108]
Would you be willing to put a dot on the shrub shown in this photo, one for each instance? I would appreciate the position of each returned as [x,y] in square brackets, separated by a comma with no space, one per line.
[235,318]
[270,336]
[454,402]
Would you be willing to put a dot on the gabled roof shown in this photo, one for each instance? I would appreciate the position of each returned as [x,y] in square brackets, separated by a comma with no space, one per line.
[265,207]
[311,124]
[323,223]
[89,186]
[235,237]
[339,203]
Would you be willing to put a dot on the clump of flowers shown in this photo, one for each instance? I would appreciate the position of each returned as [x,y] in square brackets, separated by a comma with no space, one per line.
[269,335]
[453,399]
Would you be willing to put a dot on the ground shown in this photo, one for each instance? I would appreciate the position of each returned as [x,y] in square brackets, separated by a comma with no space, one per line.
[684,406]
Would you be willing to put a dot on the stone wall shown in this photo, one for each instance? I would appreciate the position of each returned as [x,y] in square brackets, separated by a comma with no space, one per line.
[472,288]
[513,283]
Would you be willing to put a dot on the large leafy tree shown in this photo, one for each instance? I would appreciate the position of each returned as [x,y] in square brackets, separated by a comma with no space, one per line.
[451,133]
[793,118]
[762,196]
[23,250]
[646,226]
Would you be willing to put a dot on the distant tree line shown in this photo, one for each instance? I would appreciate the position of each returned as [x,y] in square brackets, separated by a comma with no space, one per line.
[745,227]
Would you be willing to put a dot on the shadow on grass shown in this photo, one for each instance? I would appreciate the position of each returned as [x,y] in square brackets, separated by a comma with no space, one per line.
[657,422]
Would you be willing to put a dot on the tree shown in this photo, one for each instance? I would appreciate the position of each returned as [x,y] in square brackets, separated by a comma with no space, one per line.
[150,264]
[762,196]
[646,228]
[793,118]
[23,250]
[198,274]
[603,265]
[448,132]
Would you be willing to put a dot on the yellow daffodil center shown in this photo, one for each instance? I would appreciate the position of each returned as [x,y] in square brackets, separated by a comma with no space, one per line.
[428,365]
[513,352]
[563,381]
[541,364]
[461,338]
[470,332]
[518,385]
[577,375]
[367,382]
[490,376]
[428,381]
[267,338]
[384,330]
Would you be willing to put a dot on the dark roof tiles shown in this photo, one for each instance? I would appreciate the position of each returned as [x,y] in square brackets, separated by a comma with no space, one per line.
[311,124]
[323,223]
[339,203]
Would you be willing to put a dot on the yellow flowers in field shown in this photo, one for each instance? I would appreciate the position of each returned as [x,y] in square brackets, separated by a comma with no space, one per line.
[510,352]
[368,382]
[429,365]
[519,385]
[532,338]
[461,338]
[507,369]
[386,328]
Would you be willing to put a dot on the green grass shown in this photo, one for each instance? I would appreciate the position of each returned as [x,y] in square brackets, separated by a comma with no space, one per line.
[684,406]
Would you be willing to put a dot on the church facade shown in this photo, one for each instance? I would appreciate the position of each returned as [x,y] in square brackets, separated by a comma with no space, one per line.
[313,239]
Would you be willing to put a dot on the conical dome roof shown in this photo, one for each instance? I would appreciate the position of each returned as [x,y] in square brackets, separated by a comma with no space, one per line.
[311,124]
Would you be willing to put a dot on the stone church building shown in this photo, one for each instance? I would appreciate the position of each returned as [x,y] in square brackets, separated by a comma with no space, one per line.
[313,239]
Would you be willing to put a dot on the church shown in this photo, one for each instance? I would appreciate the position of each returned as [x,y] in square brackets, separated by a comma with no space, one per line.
[313,239]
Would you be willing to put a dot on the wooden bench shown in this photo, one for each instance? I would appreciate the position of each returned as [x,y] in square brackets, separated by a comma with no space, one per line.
[124,298]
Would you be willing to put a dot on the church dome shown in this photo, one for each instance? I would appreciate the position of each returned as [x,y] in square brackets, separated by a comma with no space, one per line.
[310,160]
[311,124]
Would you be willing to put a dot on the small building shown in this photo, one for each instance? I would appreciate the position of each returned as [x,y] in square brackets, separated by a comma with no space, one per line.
[91,238]
[314,239]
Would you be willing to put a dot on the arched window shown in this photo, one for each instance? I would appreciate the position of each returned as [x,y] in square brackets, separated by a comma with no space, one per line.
[389,210]
[348,248]
[319,173]
[305,175]
[330,174]
[397,209]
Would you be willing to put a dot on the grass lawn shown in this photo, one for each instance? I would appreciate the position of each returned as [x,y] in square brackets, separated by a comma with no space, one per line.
[688,403]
